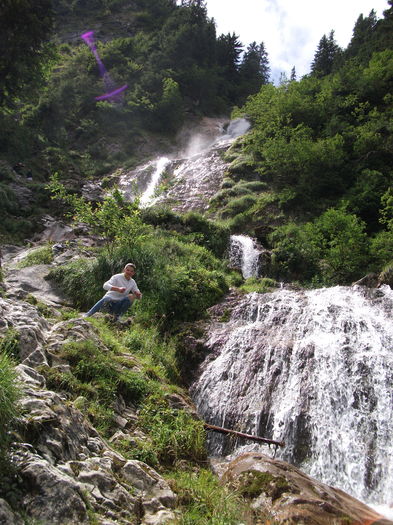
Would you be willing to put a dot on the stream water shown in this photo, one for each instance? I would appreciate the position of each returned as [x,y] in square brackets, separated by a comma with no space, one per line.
[193,175]
[244,254]
[312,368]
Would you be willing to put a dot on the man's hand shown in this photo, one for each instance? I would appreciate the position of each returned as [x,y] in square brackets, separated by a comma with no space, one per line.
[118,289]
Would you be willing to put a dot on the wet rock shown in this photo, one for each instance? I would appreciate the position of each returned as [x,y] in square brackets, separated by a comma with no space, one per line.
[281,492]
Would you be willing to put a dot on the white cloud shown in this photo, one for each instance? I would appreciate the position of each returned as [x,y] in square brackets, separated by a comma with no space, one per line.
[290,29]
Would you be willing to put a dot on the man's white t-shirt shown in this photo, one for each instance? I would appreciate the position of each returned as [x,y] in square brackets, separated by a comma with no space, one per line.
[119,281]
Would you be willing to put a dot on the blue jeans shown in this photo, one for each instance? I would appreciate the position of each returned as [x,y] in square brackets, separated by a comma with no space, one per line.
[117,308]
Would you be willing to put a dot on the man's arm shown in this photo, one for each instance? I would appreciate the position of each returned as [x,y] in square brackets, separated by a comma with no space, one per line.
[111,285]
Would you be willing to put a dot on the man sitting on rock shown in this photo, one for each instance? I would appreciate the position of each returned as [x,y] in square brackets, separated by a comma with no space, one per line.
[121,292]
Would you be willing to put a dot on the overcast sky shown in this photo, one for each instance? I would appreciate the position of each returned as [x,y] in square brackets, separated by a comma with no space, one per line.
[290,29]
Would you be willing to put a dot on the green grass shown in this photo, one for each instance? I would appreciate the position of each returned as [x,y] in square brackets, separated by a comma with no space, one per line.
[9,396]
[174,433]
[260,285]
[203,500]
[42,255]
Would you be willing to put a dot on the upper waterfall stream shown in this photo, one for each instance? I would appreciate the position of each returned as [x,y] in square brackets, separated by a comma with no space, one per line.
[315,369]
[194,174]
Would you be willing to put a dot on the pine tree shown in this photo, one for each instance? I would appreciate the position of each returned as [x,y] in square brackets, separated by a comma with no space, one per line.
[360,44]
[327,55]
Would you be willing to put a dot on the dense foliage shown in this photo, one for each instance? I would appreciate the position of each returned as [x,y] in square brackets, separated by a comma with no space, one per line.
[323,148]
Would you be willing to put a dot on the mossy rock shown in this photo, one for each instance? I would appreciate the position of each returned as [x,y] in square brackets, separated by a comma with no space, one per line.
[242,167]
[252,483]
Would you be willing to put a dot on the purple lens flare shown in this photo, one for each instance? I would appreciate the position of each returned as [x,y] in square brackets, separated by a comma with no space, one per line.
[114,95]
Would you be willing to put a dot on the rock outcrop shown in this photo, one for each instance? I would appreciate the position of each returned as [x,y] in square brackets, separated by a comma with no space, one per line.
[66,471]
[282,493]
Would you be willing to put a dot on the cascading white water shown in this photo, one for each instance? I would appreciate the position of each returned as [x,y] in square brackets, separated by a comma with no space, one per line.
[312,368]
[142,181]
[197,173]
[244,254]
[161,164]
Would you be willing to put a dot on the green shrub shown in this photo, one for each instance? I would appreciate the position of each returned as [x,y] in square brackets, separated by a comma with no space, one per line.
[153,349]
[178,280]
[260,285]
[41,255]
[333,249]
[238,205]
[294,256]
[211,235]
[381,249]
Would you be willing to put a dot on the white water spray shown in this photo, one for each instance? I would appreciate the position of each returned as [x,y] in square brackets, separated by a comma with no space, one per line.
[161,164]
[244,254]
[315,369]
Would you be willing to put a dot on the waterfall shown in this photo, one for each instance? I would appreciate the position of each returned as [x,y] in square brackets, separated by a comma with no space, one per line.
[244,254]
[143,180]
[312,368]
[160,165]
[195,173]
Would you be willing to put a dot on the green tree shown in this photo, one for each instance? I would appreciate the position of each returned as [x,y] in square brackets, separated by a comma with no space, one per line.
[25,27]
[228,51]
[326,56]
[360,44]
[170,107]
[114,219]
[344,246]
[254,69]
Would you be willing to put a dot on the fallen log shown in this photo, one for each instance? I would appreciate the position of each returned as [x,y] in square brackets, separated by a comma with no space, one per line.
[242,435]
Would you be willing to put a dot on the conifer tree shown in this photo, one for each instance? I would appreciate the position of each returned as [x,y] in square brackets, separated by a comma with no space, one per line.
[255,66]
[360,44]
[326,55]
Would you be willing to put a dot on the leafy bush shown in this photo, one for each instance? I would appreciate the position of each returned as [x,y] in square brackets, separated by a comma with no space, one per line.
[238,205]
[333,248]
[381,249]
[211,235]
[344,246]
[261,285]
[294,257]
[153,348]
[178,280]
